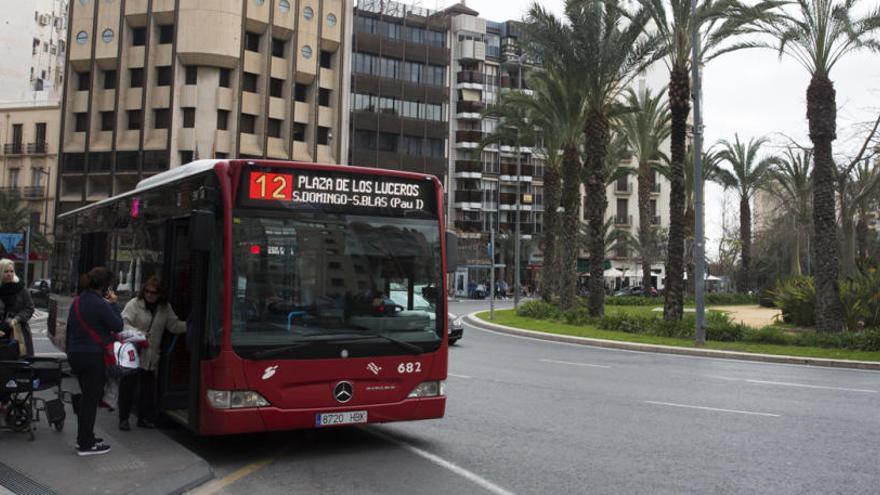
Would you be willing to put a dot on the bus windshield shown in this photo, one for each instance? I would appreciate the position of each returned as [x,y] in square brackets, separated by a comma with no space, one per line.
[325,285]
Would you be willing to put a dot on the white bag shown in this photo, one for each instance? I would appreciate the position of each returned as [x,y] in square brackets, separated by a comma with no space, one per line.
[126,355]
[111,393]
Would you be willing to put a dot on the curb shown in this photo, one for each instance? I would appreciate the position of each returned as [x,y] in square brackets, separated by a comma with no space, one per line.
[665,349]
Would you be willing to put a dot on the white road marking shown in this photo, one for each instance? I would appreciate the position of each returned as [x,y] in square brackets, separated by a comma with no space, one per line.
[466,377]
[586,365]
[752,413]
[798,385]
[475,478]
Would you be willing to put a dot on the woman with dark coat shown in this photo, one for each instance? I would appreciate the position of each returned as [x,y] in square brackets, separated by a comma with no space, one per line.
[93,320]
[16,306]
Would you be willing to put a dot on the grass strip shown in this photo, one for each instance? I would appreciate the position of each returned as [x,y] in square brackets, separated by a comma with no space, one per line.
[509,318]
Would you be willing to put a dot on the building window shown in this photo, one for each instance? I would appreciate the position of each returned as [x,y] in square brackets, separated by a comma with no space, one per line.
[274,128]
[259,2]
[220,155]
[166,34]
[326,59]
[109,79]
[278,47]
[135,119]
[222,120]
[300,92]
[331,20]
[307,51]
[83,80]
[163,75]
[323,135]
[137,77]
[186,156]
[284,6]
[13,178]
[276,87]
[249,83]
[81,121]
[138,36]
[248,123]
[324,97]
[107,35]
[82,37]
[108,121]
[299,132]
[192,74]
[225,75]
[189,117]
[161,118]
[308,13]
[252,42]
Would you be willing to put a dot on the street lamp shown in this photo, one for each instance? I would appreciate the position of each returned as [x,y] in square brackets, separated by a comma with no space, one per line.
[516,242]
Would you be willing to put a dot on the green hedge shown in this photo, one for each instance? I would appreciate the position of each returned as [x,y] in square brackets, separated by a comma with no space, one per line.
[719,327]
[717,298]
[860,297]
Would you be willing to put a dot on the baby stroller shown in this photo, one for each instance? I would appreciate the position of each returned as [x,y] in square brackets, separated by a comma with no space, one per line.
[19,380]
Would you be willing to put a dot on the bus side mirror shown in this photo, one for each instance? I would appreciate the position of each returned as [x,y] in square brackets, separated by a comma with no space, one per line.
[201,230]
[451,252]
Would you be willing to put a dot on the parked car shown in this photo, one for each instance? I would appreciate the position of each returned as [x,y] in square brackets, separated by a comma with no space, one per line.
[456,328]
[635,290]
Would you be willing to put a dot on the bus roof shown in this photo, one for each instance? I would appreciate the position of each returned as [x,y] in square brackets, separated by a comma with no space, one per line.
[177,173]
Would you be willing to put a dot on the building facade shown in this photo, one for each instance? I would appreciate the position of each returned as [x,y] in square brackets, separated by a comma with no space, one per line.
[400,88]
[32,50]
[28,171]
[154,84]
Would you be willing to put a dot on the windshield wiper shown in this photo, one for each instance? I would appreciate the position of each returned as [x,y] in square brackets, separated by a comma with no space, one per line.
[278,350]
[400,343]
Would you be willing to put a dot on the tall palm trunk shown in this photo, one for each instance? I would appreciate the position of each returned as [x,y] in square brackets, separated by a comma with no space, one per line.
[796,250]
[822,115]
[550,275]
[862,238]
[745,239]
[690,219]
[646,232]
[679,107]
[596,133]
[569,251]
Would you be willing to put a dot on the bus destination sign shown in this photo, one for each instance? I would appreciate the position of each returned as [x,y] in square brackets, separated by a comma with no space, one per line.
[319,189]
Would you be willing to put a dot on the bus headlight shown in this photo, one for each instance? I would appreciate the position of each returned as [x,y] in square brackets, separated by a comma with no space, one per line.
[235,399]
[434,388]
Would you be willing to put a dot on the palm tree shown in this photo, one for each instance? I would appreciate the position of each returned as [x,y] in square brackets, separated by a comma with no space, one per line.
[596,50]
[15,217]
[717,22]
[817,34]
[791,183]
[550,117]
[646,127]
[748,174]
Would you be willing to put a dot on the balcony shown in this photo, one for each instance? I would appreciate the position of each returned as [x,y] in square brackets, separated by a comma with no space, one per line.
[33,192]
[622,220]
[472,136]
[511,169]
[469,106]
[623,187]
[469,76]
[472,166]
[13,149]
[472,196]
[469,225]
[12,192]
[40,148]
[655,189]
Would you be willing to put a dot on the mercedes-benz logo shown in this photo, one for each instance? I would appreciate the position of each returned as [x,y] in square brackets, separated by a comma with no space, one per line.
[342,392]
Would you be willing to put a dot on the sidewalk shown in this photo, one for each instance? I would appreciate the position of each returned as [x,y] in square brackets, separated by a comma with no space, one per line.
[141,461]
[665,349]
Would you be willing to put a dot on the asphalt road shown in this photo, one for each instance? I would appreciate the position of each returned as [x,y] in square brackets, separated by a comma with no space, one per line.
[536,417]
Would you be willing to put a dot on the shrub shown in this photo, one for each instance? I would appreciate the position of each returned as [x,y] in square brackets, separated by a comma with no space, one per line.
[861,300]
[797,299]
[633,301]
[719,327]
[539,310]
[867,340]
[578,316]
[770,335]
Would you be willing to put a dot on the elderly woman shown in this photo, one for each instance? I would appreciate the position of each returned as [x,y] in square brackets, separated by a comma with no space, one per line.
[16,307]
[150,313]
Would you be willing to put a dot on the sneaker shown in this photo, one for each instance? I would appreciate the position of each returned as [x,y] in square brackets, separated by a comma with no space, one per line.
[96,449]
[97,441]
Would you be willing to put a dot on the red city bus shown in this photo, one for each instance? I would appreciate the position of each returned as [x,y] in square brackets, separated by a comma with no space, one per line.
[314,295]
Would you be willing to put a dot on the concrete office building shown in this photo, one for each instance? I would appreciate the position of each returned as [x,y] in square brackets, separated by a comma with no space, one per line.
[29,133]
[153,84]
[32,49]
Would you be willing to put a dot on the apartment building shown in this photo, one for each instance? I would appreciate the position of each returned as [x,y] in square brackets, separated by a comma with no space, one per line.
[29,133]
[400,88]
[32,50]
[154,84]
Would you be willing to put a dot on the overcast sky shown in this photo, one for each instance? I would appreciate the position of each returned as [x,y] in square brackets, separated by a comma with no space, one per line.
[752,93]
